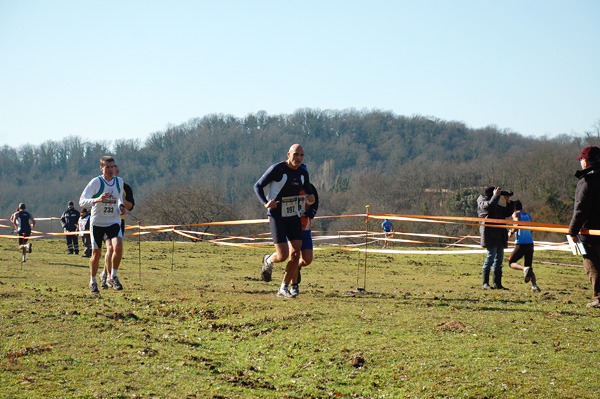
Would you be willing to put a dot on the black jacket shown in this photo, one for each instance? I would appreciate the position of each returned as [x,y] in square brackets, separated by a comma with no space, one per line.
[586,210]
[69,219]
[488,207]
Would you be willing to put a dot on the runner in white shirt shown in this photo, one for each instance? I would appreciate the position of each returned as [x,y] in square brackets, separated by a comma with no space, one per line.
[104,195]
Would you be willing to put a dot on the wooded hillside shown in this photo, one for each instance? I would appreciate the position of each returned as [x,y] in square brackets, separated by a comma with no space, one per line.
[396,164]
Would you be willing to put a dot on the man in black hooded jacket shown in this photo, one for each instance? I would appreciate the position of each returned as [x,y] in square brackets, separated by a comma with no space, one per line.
[586,216]
[493,239]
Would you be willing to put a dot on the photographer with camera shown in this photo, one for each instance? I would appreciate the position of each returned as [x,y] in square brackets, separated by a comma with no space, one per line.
[493,239]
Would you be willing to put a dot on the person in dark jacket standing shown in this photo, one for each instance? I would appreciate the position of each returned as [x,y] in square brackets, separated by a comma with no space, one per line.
[69,221]
[493,239]
[586,216]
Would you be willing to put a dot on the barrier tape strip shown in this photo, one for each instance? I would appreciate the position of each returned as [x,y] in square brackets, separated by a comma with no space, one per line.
[374,237]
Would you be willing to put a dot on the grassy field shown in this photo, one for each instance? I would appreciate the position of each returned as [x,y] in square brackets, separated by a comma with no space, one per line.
[197,322]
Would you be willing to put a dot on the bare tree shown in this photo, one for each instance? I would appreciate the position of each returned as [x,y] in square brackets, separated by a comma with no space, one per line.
[186,206]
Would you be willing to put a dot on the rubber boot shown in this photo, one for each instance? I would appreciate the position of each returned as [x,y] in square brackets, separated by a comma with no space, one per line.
[485,280]
[498,280]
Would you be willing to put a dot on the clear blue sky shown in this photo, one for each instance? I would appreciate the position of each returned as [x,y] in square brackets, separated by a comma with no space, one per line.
[106,70]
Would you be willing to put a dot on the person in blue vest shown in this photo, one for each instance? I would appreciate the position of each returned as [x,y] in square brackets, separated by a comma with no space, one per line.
[523,247]
[388,230]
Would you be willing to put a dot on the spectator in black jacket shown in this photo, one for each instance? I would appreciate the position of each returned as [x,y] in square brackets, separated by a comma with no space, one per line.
[493,239]
[586,216]
[69,221]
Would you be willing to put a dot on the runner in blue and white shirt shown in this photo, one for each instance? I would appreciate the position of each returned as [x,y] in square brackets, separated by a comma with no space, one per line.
[284,182]
[523,247]
[104,195]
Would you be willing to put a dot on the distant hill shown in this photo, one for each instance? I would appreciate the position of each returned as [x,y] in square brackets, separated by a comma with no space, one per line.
[354,157]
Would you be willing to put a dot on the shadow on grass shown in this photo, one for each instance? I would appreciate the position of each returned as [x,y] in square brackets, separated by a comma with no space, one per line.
[85,266]
[14,277]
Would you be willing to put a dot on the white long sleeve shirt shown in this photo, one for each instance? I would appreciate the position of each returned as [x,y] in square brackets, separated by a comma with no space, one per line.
[104,213]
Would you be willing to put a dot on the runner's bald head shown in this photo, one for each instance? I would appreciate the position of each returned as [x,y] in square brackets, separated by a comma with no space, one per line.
[294,148]
[295,156]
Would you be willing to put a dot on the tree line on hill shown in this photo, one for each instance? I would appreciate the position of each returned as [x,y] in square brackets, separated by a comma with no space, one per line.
[204,170]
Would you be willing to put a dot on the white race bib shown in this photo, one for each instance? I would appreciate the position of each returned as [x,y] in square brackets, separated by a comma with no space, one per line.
[292,206]
[109,207]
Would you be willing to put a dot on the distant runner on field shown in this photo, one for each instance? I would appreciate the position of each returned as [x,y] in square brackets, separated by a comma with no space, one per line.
[388,230]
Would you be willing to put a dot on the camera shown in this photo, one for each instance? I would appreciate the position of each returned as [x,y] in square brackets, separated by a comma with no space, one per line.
[506,192]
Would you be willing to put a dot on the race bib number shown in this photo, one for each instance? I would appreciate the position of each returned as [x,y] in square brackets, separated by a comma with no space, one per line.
[109,207]
[292,206]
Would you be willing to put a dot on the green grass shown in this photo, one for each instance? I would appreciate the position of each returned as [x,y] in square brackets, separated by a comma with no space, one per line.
[205,326]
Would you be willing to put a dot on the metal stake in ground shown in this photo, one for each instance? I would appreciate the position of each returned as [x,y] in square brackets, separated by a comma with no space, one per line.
[172,250]
[140,250]
[364,287]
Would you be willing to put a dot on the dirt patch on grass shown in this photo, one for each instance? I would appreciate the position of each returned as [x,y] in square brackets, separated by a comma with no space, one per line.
[452,325]
[12,356]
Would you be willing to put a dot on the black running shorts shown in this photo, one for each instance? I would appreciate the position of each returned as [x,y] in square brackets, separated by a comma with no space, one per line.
[522,250]
[100,234]
[284,229]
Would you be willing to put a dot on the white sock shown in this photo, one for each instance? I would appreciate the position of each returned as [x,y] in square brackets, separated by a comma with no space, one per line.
[103,274]
[93,280]
[113,274]
[284,286]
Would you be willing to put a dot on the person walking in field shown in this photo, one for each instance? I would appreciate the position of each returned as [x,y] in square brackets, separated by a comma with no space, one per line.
[523,247]
[104,195]
[284,182]
[586,216]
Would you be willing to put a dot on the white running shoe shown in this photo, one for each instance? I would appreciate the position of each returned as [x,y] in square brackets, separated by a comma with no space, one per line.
[267,268]
[94,289]
[103,283]
[294,290]
[116,283]
[284,292]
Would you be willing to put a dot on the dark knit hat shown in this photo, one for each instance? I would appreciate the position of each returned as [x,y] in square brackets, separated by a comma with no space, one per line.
[489,191]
